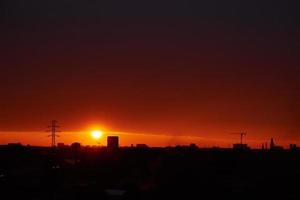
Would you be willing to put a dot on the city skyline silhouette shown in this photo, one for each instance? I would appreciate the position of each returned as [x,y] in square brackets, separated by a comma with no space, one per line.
[94,135]
[198,68]
[149,99]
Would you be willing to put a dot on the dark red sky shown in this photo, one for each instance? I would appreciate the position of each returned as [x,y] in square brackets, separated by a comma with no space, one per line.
[174,67]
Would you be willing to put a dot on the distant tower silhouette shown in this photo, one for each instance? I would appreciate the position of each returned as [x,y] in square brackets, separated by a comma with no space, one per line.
[272,144]
[53,129]
[242,144]
[242,135]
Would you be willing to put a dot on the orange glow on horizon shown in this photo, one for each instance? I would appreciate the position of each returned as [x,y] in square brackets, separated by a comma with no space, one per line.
[126,139]
[96,135]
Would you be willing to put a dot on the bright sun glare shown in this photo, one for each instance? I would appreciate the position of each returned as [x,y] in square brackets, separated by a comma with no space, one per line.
[96,134]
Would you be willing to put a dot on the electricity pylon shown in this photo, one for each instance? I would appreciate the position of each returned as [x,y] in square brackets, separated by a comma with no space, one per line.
[53,129]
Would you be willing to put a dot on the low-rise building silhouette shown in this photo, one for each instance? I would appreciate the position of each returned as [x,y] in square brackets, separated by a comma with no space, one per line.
[241,146]
[76,145]
[193,146]
[14,144]
[141,146]
[61,145]
[294,147]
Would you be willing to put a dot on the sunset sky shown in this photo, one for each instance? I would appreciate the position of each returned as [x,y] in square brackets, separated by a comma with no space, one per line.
[161,72]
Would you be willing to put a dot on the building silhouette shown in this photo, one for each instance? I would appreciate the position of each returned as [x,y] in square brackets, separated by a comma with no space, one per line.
[273,146]
[76,146]
[141,146]
[272,143]
[112,142]
[294,147]
[61,145]
[240,146]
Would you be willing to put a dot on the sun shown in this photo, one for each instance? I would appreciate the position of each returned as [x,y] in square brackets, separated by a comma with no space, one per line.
[96,134]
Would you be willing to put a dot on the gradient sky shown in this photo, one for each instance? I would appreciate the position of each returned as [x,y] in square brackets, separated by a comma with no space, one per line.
[188,68]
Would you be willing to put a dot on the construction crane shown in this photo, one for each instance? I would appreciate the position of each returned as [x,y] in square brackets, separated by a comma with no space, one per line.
[242,135]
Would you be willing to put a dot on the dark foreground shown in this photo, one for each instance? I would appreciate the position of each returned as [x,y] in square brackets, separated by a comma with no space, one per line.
[130,173]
